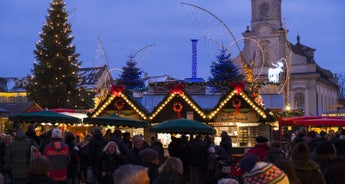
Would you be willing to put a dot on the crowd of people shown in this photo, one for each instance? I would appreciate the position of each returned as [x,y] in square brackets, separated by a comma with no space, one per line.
[119,158]
[303,158]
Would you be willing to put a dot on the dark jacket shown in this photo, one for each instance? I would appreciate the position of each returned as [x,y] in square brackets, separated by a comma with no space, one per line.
[308,172]
[226,143]
[333,169]
[96,146]
[152,171]
[41,179]
[274,155]
[197,154]
[340,145]
[73,167]
[108,163]
[17,156]
[170,178]
[132,155]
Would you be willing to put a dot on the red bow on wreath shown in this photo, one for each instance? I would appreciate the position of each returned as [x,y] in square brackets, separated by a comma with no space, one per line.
[238,86]
[116,90]
[177,89]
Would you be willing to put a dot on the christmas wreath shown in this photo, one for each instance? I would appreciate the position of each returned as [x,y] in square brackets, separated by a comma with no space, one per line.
[177,107]
[119,104]
[236,103]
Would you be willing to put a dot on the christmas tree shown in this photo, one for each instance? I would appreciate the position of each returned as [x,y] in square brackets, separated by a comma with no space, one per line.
[131,76]
[223,71]
[55,79]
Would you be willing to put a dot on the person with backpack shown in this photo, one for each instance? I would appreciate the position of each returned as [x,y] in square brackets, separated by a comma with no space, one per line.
[58,153]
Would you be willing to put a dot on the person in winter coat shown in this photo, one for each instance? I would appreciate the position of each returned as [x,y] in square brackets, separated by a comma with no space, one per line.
[84,150]
[132,154]
[226,142]
[95,149]
[256,171]
[275,152]
[58,153]
[197,155]
[17,157]
[5,170]
[261,148]
[218,159]
[307,170]
[149,158]
[73,167]
[110,159]
[38,171]
[332,166]
[170,172]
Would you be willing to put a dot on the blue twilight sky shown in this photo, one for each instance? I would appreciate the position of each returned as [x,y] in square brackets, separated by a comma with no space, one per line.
[124,27]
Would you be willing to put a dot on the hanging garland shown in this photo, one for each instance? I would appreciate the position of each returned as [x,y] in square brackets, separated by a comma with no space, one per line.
[177,107]
[236,103]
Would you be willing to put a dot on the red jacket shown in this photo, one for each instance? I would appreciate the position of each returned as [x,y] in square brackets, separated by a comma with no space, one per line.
[58,153]
[260,149]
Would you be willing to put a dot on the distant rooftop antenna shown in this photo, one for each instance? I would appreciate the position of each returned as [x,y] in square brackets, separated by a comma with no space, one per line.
[194,57]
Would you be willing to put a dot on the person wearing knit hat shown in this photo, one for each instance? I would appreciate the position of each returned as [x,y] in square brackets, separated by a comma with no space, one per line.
[58,153]
[307,170]
[332,166]
[258,172]
[56,133]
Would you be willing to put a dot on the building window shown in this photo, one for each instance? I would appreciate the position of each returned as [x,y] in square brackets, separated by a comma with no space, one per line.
[11,99]
[299,101]
[264,11]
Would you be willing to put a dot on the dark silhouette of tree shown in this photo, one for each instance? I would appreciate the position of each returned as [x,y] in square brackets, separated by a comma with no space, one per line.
[223,72]
[55,80]
[131,76]
[341,83]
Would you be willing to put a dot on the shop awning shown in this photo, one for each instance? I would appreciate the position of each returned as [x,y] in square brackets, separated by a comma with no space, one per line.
[182,126]
[115,120]
[44,117]
[313,121]
[320,122]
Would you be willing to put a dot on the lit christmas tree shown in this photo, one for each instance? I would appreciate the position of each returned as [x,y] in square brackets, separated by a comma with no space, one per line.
[131,76]
[223,72]
[55,79]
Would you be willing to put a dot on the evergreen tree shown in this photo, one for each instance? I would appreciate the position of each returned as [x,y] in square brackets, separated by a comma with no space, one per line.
[55,75]
[131,76]
[223,71]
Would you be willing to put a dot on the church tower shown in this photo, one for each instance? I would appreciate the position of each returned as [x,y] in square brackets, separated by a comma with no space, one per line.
[300,82]
[266,37]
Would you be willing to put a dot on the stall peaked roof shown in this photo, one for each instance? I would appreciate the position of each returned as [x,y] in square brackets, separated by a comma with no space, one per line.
[178,96]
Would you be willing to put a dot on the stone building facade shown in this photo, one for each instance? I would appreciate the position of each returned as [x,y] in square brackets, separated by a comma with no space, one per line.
[303,84]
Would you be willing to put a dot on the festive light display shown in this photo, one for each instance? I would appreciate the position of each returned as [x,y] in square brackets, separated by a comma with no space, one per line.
[234,97]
